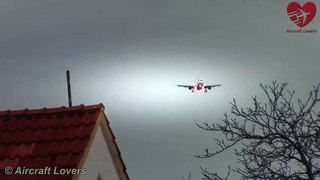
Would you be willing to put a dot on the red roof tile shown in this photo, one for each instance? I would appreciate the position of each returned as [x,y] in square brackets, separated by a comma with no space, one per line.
[45,138]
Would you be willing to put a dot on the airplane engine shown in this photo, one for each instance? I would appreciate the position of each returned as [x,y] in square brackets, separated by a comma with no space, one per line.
[209,88]
[190,88]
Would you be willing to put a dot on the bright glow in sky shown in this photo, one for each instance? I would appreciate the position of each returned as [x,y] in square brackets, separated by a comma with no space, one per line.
[128,54]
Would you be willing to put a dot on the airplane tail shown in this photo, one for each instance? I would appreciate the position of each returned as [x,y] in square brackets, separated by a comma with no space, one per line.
[198,79]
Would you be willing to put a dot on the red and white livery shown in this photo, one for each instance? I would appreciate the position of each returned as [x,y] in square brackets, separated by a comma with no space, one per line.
[199,86]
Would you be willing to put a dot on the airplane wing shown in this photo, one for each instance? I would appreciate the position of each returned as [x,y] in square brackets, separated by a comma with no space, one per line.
[185,86]
[211,86]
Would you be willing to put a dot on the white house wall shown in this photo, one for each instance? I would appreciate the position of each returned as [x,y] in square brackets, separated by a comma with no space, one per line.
[99,160]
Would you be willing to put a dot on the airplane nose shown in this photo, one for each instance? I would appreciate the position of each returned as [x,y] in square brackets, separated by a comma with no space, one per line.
[199,86]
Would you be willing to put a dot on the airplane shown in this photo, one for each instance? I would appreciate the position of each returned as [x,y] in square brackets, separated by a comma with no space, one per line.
[199,86]
[299,14]
[303,15]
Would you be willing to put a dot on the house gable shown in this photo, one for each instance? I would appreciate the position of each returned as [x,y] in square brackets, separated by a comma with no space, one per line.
[53,137]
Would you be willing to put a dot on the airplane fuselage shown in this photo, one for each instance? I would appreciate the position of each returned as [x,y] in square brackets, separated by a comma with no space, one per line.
[198,87]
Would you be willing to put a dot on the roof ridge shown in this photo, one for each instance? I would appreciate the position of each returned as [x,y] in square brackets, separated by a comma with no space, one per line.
[51,110]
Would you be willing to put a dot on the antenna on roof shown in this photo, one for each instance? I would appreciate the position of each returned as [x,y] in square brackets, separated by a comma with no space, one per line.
[69,88]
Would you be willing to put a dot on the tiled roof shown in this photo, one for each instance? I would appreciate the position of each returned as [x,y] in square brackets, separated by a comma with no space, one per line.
[55,137]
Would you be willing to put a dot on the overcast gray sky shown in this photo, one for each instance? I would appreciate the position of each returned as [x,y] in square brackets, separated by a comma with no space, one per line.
[128,54]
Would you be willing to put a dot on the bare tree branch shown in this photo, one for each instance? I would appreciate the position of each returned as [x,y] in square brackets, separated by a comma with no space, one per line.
[279,139]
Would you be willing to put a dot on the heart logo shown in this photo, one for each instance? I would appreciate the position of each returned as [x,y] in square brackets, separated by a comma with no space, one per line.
[301,16]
